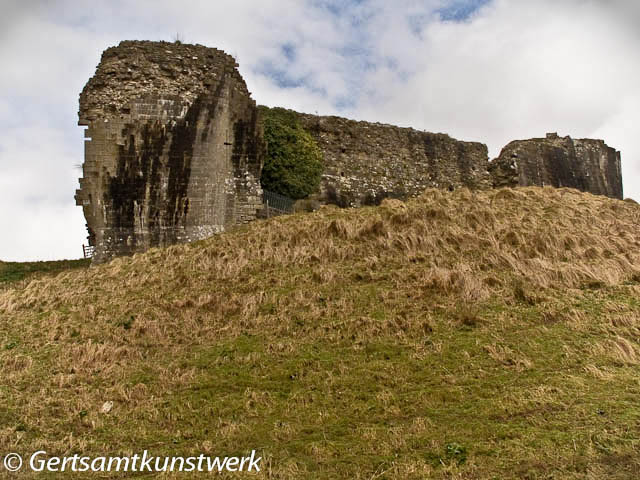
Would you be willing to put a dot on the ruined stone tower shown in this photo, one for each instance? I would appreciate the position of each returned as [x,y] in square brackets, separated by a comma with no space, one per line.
[584,164]
[174,147]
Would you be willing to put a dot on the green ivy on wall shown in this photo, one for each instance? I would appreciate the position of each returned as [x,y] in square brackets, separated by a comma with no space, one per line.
[293,165]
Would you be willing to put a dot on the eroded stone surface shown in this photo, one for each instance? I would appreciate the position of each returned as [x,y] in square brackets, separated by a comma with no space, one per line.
[174,147]
[584,164]
[366,162]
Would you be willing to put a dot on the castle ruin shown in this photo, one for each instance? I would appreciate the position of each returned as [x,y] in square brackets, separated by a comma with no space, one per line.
[174,152]
[174,147]
[365,162]
[584,164]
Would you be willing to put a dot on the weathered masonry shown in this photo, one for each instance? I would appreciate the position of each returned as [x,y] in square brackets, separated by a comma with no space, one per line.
[365,162]
[174,147]
[585,164]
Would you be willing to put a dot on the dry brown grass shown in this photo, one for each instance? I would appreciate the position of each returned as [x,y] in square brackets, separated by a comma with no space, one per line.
[490,264]
[552,238]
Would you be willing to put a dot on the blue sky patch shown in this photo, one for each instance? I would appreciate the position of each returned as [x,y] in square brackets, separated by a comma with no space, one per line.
[353,16]
[337,7]
[461,10]
[280,75]
[289,51]
[282,78]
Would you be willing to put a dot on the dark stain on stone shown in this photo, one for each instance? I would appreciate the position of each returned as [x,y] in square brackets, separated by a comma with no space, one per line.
[247,150]
[136,170]
[139,164]
[431,154]
[183,137]
[559,165]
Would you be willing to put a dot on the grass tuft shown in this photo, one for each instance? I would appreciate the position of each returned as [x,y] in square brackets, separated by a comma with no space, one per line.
[461,334]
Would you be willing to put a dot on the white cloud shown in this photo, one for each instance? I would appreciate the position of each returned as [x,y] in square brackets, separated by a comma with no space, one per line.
[43,233]
[515,69]
[519,70]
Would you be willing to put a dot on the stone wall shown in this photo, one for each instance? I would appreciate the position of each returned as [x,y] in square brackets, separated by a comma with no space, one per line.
[174,147]
[366,162]
[585,164]
[174,151]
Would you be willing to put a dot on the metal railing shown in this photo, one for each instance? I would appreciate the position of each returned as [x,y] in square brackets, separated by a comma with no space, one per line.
[276,204]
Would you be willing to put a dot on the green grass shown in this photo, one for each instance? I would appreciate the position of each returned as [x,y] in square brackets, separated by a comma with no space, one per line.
[397,342]
[15,271]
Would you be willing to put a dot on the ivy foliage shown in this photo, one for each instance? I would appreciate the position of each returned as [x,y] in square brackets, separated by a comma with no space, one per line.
[293,165]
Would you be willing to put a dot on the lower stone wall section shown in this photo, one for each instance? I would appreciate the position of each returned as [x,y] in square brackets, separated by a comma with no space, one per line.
[366,162]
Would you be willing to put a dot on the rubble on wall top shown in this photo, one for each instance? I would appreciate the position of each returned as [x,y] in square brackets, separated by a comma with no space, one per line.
[336,123]
[135,69]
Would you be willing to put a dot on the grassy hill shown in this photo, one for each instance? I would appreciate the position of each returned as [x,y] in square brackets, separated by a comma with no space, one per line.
[460,335]
[11,272]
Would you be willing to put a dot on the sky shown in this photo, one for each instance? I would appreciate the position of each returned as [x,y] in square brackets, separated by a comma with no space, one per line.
[480,70]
